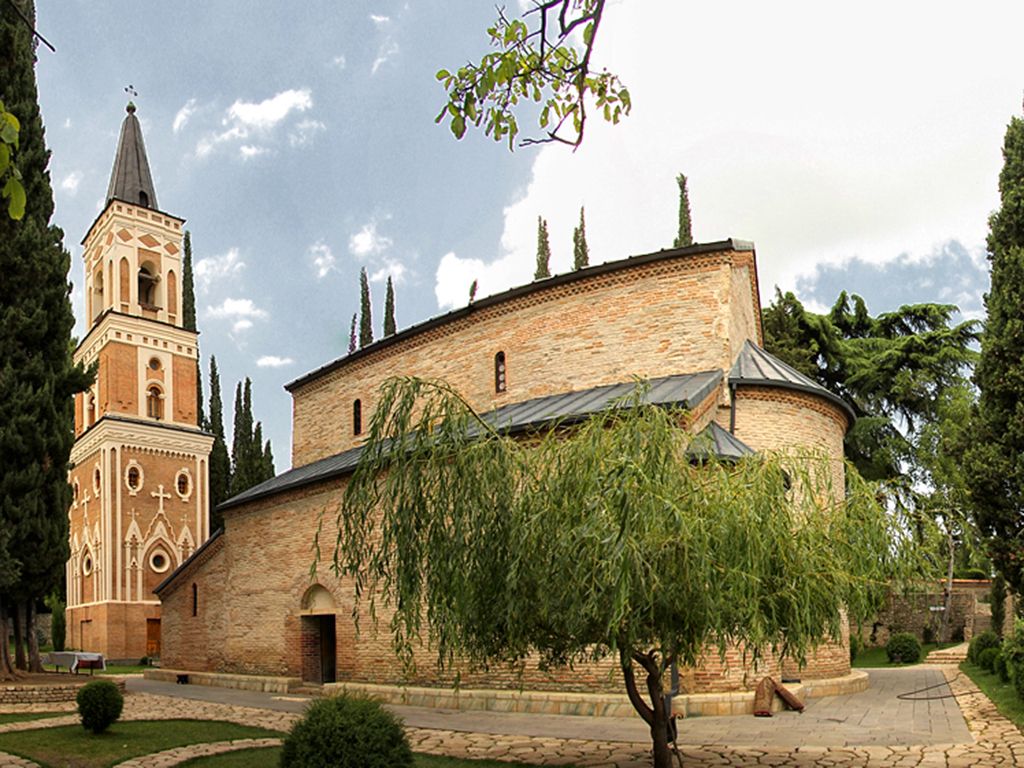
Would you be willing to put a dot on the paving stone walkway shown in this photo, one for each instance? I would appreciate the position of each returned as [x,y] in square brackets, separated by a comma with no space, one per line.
[985,739]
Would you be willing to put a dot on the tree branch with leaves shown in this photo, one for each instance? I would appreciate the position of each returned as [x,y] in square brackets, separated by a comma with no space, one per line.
[547,62]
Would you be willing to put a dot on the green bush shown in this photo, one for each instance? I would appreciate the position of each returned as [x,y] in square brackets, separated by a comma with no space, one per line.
[1000,667]
[903,648]
[1013,653]
[99,705]
[347,732]
[987,659]
[855,647]
[987,639]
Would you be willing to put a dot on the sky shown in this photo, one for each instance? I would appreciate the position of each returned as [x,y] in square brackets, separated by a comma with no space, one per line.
[858,145]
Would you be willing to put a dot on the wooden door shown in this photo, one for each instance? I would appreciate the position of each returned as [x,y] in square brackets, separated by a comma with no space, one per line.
[328,650]
[152,637]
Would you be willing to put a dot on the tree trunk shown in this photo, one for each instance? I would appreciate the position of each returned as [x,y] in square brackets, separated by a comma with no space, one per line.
[654,714]
[19,636]
[7,672]
[35,664]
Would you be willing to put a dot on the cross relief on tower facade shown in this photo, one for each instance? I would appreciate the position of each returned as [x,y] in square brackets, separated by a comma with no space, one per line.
[139,463]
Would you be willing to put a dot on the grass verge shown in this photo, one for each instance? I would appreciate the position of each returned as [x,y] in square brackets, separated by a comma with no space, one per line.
[876,657]
[1003,695]
[19,717]
[74,747]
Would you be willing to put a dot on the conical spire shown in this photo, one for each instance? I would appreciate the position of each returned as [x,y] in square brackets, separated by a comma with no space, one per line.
[130,179]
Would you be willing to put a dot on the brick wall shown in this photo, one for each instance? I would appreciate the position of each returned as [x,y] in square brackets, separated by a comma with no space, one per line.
[664,317]
[912,613]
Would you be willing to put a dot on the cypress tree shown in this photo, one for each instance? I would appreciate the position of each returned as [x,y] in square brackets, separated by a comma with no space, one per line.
[239,438]
[543,251]
[353,341]
[37,376]
[580,249]
[996,453]
[389,309]
[188,319]
[685,237]
[220,462]
[268,461]
[365,312]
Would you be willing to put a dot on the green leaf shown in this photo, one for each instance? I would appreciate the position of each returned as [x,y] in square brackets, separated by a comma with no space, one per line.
[16,194]
[458,126]
[443,74]
[5,158]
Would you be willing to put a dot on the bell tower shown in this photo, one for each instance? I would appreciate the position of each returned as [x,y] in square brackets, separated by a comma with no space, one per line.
[139,463]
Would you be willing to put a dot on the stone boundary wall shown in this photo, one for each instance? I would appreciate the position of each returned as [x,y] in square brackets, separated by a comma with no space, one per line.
[44,694]
[912,613]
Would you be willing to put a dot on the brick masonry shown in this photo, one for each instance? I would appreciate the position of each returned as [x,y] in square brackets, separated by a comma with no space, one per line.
[249,604]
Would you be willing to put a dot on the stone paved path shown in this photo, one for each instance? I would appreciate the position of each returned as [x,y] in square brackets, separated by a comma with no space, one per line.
[990,740]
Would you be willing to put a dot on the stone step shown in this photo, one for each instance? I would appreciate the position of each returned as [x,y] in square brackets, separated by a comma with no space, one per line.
[952,655]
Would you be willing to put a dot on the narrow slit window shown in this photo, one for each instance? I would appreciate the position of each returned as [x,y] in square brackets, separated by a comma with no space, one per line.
[357,417]
[195,600]
[500,383]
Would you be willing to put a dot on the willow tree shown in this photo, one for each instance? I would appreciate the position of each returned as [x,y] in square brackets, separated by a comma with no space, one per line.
[598,539]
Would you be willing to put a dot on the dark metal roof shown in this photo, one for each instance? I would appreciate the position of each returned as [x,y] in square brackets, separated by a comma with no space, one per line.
[715,441]
[697,249]
[687,390]
[755,367]
[130,179]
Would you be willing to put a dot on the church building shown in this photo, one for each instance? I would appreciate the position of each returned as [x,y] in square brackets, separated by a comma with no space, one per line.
[139,463]
[688,320]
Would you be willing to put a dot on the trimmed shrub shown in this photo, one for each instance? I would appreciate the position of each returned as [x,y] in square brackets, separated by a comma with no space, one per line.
[987,659]
[903,648]
[1000,668]
[347,731]
[99,705]
[855,647]
[928,635]
[987,639]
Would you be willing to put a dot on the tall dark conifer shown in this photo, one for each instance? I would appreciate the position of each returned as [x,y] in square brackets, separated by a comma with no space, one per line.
[389,309]
[580,249]
[188,319]
[239,442]
[220,462]
[353,340]
[996,455]
[37,377]
[684,236]
[543,251]
[365,312]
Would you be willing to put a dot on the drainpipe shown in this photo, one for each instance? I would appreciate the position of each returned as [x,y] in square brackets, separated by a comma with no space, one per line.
[732,408]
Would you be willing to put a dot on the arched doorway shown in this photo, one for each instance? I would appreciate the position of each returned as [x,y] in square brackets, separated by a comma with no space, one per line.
[319,641]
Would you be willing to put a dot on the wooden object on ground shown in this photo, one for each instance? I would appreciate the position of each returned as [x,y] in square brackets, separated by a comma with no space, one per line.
[764,693]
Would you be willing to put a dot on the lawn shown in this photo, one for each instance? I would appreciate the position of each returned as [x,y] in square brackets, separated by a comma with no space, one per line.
[1003,695]
[876,657]
[74,747]
[271,758]
[18,717]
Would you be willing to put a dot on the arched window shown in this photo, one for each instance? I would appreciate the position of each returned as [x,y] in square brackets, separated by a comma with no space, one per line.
[148,280]
[357,417]
[154,402]
[143,198]
[90,416]
[499,372]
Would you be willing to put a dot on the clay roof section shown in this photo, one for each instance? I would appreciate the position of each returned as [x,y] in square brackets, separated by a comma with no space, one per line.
[688,390]
[755,367]
[130,179]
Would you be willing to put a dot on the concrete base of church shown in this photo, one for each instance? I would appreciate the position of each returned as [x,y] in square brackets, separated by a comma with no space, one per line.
[529,702]
[122,632]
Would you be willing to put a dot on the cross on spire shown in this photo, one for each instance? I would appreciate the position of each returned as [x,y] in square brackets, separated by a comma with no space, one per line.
[130,90]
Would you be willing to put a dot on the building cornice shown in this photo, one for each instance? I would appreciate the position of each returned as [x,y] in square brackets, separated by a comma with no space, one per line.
[147,435]
[111,321]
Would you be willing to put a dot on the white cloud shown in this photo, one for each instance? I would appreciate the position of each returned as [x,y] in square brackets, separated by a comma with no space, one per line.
[379,19]
[183,115]
[67,122]
[395,269]
[339,61]
[304,132]
[368,242]
[273,361]
[323,258]
[245,119]
[70,182]
[248,151]
[387,51]
[214,268]
[851,155]
[237,309]
[241,325]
